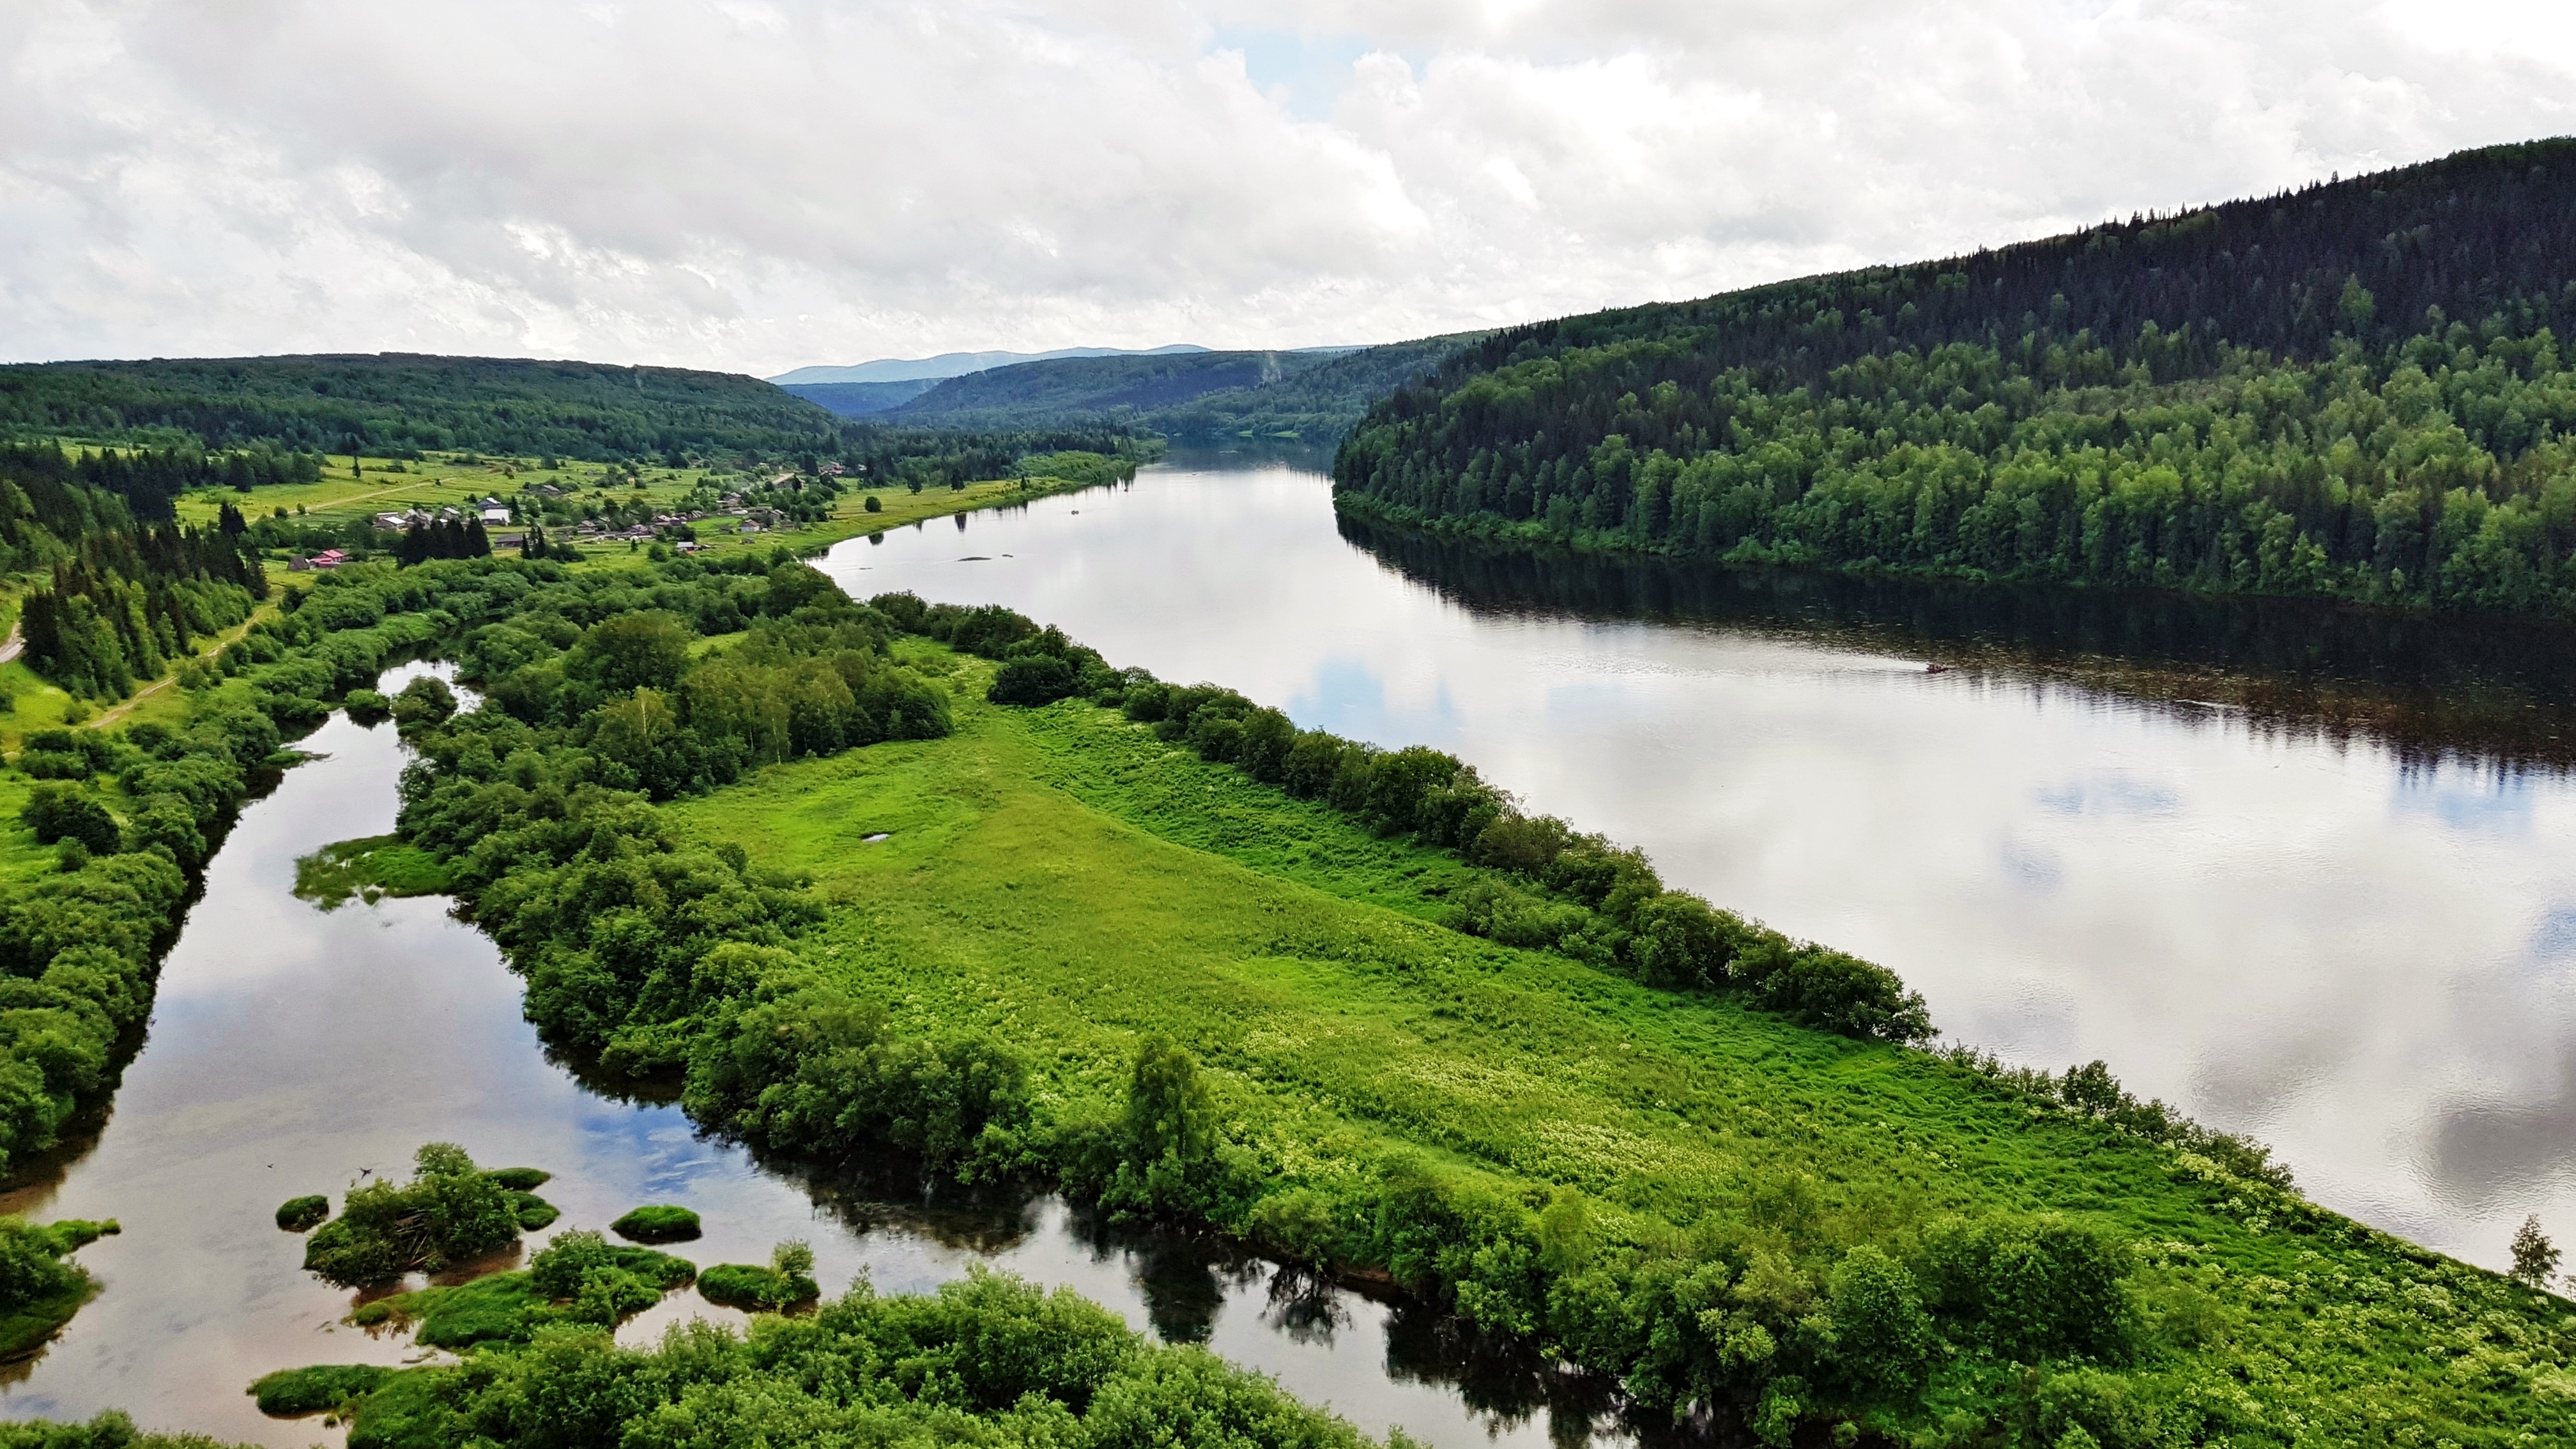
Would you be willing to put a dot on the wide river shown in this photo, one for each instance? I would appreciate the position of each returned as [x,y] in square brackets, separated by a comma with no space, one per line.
[2305,873]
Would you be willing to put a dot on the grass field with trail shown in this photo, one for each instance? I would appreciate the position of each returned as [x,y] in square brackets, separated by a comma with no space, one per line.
[1064,880]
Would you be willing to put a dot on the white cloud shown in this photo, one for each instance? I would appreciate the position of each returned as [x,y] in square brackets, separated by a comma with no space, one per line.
[756,185]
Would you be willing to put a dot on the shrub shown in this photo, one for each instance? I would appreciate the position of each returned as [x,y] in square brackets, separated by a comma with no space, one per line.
[367,707]
[446,1213]
[64,812]
[1039,679]
[425,701]
[657,1223]
[299,1214]
[2034,1288]
[520,1179]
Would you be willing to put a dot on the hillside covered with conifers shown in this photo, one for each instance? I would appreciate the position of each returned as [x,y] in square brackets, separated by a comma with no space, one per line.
[398,404]
[2352,390]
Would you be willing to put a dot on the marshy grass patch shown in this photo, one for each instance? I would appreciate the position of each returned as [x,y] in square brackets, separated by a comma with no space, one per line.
[658,1223]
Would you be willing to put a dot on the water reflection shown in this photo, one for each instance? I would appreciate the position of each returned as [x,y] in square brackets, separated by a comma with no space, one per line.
[295,1049]
[2471,689]
[2302,870]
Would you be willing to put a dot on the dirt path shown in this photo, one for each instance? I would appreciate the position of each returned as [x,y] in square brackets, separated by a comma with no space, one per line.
[205,655]
[10,647]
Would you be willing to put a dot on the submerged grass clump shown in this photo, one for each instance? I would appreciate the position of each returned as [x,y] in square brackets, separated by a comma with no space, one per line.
[657,1223]
[300,1214]
[322,1388]
[787,1280]
[369,870]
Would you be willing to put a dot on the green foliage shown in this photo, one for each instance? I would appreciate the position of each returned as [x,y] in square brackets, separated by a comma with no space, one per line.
[425,701]
[2535,1258]
[64,812]
[119,599]
[39,1289]
[367,707]
[2354,394]
[657,1223]
[323,1388]
[301,1214]
[447,1213]
[368,869]
[110,1430]
[787,1280]
[520,1179]
[987,1360]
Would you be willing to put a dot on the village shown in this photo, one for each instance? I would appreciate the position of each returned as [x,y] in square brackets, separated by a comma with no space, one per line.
[505,524]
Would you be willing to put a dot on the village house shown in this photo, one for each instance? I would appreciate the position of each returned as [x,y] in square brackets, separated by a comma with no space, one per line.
[329,558]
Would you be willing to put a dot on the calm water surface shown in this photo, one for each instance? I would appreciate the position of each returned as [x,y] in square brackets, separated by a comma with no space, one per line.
[2310,874]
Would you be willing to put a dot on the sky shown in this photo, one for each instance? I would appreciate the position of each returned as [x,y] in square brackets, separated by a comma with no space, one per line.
[753,185]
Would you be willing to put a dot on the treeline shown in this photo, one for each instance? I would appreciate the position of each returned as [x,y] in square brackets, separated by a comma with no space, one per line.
[396,404]
[120,600]
[2353,390]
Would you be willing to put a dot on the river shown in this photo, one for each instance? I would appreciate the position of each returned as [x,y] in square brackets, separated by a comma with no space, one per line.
[2305,874]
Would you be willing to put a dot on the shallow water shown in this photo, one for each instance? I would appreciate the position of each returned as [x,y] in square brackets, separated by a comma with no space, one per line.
[294,1049]
[2309,873]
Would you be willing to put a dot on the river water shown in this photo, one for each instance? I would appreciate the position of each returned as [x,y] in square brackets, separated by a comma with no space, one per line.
[2305,873]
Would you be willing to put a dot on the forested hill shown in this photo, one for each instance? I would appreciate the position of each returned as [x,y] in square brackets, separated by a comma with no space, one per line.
[392,402]
[2353,389]
[1312,395]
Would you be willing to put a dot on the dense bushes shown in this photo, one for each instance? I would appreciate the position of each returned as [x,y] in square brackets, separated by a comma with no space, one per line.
[449,1211]
[40,1288]
[987,1360]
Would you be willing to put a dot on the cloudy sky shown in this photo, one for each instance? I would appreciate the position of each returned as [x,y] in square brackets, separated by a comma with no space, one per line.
[758,184]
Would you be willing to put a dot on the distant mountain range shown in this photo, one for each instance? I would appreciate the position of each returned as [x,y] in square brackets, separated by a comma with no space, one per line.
[956,364]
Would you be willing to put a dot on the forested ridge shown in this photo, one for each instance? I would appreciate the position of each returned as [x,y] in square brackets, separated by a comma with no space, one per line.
[1310,395]
[393,404]
[2352,390]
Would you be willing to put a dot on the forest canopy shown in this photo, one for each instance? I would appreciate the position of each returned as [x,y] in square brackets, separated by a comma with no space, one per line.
[2351,390]
[393,404]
